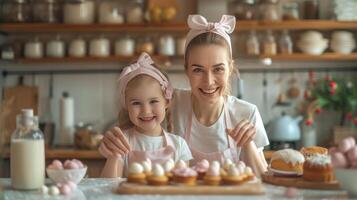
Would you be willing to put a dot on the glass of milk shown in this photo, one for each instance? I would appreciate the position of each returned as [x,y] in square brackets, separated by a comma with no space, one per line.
[27,159]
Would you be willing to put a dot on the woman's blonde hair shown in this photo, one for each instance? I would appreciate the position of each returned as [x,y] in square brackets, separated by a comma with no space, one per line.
[123,116]
[207,39]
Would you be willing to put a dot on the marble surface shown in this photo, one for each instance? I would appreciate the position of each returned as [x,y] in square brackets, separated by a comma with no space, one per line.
[95,188]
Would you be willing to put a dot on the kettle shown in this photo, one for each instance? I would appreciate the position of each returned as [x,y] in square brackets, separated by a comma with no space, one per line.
[284,128]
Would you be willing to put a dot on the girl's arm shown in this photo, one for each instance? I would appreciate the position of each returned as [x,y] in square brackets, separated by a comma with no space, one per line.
[254,159]
[113,167]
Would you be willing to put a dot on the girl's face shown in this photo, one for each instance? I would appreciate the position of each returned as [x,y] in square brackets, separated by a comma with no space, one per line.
[208,71]
[146,105]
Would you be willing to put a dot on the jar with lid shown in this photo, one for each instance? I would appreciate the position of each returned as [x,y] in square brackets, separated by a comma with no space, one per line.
[311,9]
[79,12]
[285,43]
[99,47]
[167,45]
[269,10]
[110,12]
[27,160]
[252,44]
[243,9]
[269,44]
[47,11]
[55,48]
[125,47]
[135,11]
[145,45]
[77,48]
[33,49]
[16,11]
[7,52]
[291,11]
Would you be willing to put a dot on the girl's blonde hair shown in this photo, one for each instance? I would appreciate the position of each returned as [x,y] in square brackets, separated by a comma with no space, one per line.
[207,39]
[123,116]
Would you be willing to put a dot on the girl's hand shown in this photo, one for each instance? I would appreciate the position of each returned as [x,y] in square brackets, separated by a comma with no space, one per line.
[243,133]
[114,143]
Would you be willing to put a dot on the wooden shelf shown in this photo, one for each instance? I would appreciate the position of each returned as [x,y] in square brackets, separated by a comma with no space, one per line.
[177,27]
[306,57]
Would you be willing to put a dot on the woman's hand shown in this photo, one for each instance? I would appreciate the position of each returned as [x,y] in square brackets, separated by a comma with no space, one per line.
[243,133]
[114,144]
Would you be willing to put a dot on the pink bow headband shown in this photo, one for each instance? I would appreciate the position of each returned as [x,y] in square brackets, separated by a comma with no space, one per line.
[142,66]
[198,25]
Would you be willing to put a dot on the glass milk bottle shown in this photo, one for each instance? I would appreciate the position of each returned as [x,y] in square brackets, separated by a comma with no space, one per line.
[27,153]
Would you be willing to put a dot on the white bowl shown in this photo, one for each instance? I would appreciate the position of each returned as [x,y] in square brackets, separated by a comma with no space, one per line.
[342,49]
[65,175]
[347,179]
[313,48]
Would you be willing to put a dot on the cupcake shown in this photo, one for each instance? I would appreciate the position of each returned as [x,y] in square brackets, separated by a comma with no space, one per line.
[168,166]
[136,174]
[241,169]
[158,176]
[249,173]
[212,176]
[233,176]
[180,164]
[184,175]
[318,168]
[147,167]
[201,168]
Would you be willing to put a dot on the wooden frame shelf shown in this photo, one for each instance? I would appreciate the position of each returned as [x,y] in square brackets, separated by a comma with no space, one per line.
[306,57]
[242,25]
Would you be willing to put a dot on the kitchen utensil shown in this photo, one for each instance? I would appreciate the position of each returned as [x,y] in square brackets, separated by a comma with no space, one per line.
[294,91]
[47,125]
[284,128]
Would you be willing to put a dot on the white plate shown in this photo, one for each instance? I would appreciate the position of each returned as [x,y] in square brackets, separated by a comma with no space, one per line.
[283,173]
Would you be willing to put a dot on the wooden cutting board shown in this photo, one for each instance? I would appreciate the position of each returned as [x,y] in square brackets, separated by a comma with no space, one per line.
[249,188]
[299,182]
[22,96]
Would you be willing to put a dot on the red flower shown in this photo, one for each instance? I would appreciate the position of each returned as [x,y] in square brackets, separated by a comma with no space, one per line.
[318,110]
[309,122]
[333,85]
[332,92]
[349,116]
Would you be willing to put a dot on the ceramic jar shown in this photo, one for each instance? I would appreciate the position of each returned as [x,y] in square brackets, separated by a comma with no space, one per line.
[77,48]
[55,48]
[110,12]
[33,49]
[99,47]
[167,45]
[342,42]
[79,12]
[124,47]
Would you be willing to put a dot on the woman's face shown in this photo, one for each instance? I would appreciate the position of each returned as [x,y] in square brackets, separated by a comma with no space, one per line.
[208,70]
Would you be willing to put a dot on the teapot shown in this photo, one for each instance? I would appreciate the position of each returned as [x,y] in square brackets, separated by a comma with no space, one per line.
[284,128]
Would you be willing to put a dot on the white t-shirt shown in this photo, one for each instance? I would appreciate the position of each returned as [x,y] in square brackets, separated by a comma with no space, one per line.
[214,138]
[150,143]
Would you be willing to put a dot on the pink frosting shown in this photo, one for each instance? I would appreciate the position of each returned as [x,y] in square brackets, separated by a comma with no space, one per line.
[352,154]
[339,160]
[201,166]
[184,172]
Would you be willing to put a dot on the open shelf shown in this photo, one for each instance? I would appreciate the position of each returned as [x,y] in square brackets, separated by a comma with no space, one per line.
[176,27]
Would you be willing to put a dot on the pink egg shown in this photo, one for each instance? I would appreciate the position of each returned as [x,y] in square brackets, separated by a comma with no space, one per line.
[78,162]
[57,164]
[344,145]
[339,160]
[352,154]
[72,185]
[290,192]
[65,189]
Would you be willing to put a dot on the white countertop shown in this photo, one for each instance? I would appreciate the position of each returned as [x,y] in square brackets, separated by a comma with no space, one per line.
[94,188]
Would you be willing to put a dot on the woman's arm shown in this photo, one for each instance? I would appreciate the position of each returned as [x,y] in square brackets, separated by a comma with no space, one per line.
[254,159]
[113,168]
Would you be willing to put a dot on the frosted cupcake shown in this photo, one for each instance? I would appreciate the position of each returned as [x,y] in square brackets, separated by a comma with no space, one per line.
[147,167]
[136,173]
[201,168]
[233,176]
[212,176]
[168,167]
[158,176]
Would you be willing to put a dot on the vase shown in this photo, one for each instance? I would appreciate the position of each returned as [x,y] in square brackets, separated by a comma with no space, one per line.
[309,137]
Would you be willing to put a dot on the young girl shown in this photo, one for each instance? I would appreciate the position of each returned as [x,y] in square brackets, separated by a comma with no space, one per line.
[144,97]
[215,125]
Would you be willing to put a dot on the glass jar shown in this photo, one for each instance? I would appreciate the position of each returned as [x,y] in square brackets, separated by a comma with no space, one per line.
[27,160]
[77,48]
[135,11]
[291,11]
[145,45]
[33,49]
[16,11]
[252,44]
[269,10]
[311,9]
[55,48]
[269,44]
[167,45]
[125,47]
[243,9]
[79,12]
[110,12]
[47,11]
[285,43]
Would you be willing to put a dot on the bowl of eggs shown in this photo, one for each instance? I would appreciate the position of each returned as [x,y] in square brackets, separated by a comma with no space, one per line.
[70,171]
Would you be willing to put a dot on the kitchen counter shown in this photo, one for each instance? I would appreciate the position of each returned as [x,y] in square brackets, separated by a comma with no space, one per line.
[103,189]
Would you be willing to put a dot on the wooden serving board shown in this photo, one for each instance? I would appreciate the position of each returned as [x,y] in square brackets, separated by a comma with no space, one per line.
[299,182]
[249,188]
